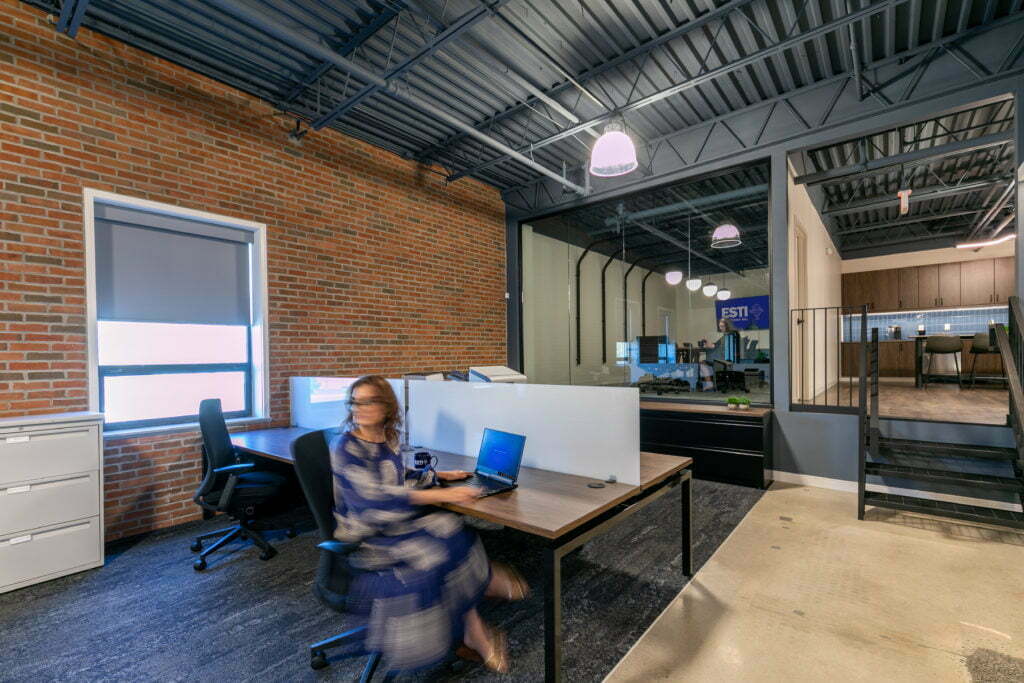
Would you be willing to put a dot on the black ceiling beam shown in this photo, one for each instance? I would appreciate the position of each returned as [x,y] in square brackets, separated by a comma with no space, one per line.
[875,165]
[918,195]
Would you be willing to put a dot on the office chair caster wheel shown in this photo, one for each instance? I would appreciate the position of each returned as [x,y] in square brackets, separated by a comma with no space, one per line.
[196,546]
[318,660]
[199,565]
[267,554]
[291,533]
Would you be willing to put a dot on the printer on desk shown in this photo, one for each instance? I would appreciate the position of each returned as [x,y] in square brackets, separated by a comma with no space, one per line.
[496,373]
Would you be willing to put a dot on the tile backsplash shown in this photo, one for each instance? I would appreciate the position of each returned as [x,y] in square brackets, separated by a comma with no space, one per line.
[960,321]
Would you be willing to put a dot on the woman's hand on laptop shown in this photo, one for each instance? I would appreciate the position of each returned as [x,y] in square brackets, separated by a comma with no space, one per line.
[459,495]
[452,475]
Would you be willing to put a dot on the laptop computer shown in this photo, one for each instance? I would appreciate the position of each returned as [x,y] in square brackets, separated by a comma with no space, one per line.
[497,465]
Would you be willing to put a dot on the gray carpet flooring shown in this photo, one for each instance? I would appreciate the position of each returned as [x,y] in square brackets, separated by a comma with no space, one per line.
[147,616]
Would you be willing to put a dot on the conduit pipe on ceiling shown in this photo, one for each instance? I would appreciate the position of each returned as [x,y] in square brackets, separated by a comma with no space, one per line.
[262,22]
[996,208]
[999,228]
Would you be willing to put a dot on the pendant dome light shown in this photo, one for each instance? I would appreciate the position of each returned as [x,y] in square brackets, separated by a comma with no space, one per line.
[724,292]
[673,277]
[613,153]
[692,283]
[725,236]
[710,289]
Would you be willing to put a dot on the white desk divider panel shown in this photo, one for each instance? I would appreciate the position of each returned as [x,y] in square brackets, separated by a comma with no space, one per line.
[319,402]
[588,431]
[51,497]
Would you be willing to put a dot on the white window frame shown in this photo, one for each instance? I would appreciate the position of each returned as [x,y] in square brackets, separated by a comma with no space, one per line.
[259,330]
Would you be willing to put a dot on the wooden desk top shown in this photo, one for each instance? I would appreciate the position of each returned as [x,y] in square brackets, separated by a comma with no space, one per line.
[550,504]
[713,408]
[269,443]
[547,504]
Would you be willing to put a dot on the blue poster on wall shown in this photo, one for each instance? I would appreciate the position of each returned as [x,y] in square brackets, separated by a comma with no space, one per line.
[747,313]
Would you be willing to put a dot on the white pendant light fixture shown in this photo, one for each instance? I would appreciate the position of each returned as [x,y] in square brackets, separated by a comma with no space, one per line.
[724,292]
[613,153]
[710,289]
[692,283]
[725,236]
[674,277]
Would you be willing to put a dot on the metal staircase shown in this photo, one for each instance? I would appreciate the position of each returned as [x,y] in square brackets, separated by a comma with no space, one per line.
[970,470]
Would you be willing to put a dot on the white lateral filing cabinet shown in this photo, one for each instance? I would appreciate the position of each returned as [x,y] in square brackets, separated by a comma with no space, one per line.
[51,497]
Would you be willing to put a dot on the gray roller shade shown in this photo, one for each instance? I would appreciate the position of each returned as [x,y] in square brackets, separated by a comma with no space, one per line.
[158,268]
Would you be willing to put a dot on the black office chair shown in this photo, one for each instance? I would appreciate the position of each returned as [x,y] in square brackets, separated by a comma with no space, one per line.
[234,487]
[333,574]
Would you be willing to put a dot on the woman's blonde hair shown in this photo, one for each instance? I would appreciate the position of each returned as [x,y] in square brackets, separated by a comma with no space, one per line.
[392,414]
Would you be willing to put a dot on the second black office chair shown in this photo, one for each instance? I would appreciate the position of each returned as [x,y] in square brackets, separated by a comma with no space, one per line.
[233,487]
[333,574]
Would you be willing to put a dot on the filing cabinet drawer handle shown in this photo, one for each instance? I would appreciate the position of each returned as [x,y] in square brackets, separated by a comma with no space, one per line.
[20,539]
[18,439]
[25,488]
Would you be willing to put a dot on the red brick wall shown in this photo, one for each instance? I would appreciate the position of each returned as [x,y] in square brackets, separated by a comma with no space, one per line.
[374,264]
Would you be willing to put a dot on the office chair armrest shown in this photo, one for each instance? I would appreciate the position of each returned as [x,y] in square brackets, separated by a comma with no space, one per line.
[234,469]
[337,547]
[229,488]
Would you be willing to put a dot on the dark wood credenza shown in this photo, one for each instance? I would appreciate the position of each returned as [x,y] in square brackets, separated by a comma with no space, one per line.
[733,446]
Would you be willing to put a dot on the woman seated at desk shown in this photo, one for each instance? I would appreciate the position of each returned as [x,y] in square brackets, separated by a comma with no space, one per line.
[418,573]
[725,350]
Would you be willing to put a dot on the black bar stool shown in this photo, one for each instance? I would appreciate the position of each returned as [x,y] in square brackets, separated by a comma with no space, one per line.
[979,346]
[942,344]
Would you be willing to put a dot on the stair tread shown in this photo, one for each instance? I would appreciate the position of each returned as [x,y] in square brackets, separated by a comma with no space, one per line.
[974,513]
[939,449]
[953,477]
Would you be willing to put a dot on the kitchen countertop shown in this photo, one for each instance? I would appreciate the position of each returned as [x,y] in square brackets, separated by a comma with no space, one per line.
[962,335]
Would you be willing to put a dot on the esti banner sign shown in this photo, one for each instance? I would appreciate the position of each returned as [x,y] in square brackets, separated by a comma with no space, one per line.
[747,313]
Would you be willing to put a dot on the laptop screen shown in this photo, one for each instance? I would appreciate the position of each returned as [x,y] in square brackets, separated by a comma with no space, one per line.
[500,455]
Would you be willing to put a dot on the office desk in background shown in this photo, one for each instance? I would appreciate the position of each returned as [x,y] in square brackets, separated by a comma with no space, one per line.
[559,509]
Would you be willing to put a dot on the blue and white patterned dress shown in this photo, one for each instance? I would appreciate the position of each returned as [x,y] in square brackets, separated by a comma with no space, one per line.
[418,571]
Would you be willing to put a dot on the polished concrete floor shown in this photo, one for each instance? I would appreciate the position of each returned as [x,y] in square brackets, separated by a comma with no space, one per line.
[946,402]
[803,591]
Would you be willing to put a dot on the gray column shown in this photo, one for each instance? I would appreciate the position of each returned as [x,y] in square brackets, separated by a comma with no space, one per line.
[1018,125]
[780,280]
[513,292]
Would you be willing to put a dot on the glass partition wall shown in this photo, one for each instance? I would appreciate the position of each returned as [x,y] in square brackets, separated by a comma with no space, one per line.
[667,290]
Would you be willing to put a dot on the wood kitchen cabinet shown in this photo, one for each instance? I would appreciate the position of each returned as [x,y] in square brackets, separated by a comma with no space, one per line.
[949,285]
[895,359]
[928,286]
[1004,272]
[977,282]
[908,288]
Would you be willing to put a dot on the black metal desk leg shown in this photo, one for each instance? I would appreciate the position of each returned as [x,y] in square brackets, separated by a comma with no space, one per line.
[687,525]
[552,614]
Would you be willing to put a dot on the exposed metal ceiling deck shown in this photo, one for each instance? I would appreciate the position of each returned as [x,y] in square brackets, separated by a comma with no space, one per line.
[542,76]
[958,168]
[687,212]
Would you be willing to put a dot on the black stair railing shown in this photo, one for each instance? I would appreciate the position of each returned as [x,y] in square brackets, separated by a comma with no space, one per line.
[869,427]
[1011,349]
[821,371]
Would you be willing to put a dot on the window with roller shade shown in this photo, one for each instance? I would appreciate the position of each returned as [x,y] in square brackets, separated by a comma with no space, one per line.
[174,311]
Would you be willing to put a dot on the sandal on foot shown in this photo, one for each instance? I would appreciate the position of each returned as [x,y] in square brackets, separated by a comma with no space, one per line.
[518,588]
[496,661]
